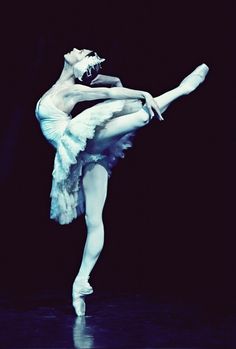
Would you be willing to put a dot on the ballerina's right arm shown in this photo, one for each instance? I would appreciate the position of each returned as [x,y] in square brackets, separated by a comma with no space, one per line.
[81,93]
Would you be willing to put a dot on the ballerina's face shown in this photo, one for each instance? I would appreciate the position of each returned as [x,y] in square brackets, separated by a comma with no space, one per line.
[83,70]
[76,55]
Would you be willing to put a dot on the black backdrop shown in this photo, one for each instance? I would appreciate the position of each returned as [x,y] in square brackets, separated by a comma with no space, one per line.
[165,209]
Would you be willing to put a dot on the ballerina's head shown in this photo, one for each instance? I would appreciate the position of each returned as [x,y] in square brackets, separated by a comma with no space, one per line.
[86,64]
[75,55]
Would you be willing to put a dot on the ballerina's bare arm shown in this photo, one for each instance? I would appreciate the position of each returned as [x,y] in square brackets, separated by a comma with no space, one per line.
[81,93]
[106,80]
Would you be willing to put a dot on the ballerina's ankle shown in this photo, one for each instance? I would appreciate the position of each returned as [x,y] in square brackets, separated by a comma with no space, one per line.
[82,281]
[81,287]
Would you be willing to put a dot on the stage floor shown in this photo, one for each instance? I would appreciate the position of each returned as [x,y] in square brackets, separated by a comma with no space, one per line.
[115,321]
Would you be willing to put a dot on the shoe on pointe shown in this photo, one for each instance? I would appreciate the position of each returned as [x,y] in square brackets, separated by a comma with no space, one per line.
[193,80]
[80,289]
[79,306]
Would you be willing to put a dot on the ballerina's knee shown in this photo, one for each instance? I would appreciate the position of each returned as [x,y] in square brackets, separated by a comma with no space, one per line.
[144,118]
[94,222]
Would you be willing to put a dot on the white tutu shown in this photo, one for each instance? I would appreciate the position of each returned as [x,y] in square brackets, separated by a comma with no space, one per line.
[69,137]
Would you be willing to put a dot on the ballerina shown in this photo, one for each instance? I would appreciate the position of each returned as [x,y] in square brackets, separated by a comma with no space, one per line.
[89,144]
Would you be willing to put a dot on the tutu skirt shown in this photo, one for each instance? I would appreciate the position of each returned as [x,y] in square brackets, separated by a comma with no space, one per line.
[69,137]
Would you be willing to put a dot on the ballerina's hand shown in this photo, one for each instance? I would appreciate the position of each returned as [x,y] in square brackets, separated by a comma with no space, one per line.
[152,106]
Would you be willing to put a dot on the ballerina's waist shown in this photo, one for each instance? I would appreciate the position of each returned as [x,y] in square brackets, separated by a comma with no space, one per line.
[49,112]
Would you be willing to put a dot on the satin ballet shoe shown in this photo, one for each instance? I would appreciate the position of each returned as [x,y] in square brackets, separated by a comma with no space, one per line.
[79,306]
[193,80]
[80,289]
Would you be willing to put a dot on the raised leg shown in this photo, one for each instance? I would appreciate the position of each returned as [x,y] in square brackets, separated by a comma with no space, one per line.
[124,124]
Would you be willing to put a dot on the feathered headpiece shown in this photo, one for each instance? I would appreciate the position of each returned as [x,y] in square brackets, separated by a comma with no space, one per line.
[86,64]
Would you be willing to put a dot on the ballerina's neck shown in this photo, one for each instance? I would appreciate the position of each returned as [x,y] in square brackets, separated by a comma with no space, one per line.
[67,75]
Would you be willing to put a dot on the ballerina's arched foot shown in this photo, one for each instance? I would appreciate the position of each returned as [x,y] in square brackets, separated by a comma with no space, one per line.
[193,80]
[81,287]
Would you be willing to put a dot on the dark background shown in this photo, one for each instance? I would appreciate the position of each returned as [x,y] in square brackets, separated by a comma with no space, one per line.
[169,215]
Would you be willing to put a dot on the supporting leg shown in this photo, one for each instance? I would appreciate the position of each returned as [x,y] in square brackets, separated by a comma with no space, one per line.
[95,180]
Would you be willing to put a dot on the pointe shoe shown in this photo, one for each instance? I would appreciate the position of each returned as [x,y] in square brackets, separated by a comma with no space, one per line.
[79,306]
[80,289]
[193,80]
